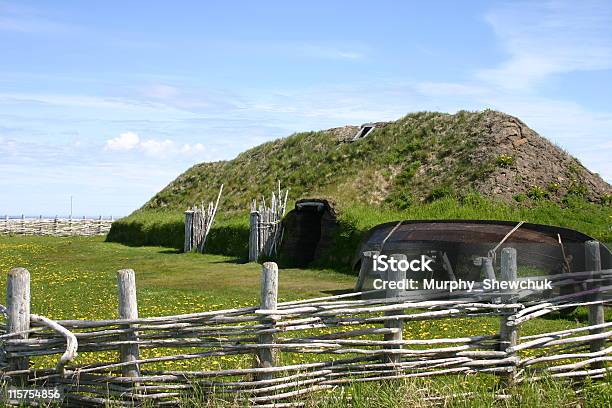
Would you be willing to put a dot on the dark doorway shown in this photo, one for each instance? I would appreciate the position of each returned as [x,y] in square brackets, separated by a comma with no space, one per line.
[307,232]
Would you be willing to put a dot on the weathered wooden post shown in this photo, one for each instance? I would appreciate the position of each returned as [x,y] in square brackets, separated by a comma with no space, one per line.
[18,312]
[394,277]
[100,225]
[187,247]
[260,233]
[253,236]
[265,231]
[365,268]
[22,224]
[487,272]
[268,298]
[508,334]
[55,226]
[197,230]
[592,258]
[487,268]
[128,309]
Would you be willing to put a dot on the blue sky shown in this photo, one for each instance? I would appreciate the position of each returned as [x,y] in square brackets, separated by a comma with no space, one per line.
[109,101]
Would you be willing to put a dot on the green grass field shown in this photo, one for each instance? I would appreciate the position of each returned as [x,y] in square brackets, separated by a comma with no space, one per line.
[75,278]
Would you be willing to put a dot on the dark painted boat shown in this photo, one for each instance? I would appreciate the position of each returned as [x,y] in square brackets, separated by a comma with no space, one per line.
[457,245]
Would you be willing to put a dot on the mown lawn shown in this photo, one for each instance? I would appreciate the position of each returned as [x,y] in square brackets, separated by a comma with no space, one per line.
[76,278]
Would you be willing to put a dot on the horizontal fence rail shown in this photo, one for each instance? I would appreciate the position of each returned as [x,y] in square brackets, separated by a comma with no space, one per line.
[282,351]
[58,227]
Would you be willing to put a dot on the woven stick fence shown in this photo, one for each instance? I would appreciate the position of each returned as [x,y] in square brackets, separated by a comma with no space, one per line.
[266,232]
[198,221]
[59,227]
[296,348]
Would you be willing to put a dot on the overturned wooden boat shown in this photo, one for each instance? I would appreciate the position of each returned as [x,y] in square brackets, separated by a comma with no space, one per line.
[458,247]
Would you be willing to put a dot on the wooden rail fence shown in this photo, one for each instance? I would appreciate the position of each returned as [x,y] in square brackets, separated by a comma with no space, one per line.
[266,231]
[198,221]
[58,227]
[304,346]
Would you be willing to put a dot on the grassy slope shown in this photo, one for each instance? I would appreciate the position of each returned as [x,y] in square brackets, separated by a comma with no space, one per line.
[376,169]
[75,278]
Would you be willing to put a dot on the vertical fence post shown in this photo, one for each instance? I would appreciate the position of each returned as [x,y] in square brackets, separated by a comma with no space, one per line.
[188,230]
[23,224]
[508,334]
[263,222]
[128,309]
[262,227]
[269,295]
[197,230]
[394,276]
[365,268]
[592,258]
[260,233]
[18,312]
[254,236]
[100,225]
[55,226]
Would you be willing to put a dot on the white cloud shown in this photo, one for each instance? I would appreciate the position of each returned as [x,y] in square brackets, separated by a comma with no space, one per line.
[157,148]
[125,141]
[129,141]
[549,38]
[104,107]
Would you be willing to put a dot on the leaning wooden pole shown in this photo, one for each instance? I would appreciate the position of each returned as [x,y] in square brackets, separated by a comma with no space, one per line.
[268,300]
[18,313]
[211,219]
[128,309]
